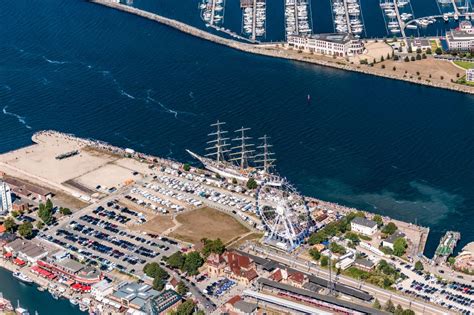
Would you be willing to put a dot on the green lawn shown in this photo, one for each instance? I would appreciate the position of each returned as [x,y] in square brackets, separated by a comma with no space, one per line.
[465,64]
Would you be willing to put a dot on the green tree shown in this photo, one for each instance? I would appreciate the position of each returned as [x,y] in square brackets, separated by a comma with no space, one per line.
[181,288]
[65,211]
[337,249]
[451,260]
[26,230]
[418,57]
[399,310]
[428,51]
[192,263]
[158,284]
[399,246]
[39,225]
[353,237]
[176,260]
[186,308]
[438,51]
[412,58]
[212,246]
[45,212]
[418,265]
[315,254]
[410,50]
[418,50]
[49,204]
[15,214]
[186,167]
[408,312]
[376,304]
[389,307]
[324,261]
[390,228]
[10,224]
[252,184]
[395,57]
[153,270]
[378,219]
[406,59]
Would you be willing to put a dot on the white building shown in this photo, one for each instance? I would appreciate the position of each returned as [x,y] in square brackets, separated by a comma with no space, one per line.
[5,199]
[470,75]
[341,45]
[389,241]
[102,289]
[363,226]
[462,38]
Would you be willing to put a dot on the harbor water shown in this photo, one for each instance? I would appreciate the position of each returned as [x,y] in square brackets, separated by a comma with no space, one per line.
[386,146]
[31,299]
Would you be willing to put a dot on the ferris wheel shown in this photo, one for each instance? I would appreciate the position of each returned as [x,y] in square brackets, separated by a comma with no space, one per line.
[284,214]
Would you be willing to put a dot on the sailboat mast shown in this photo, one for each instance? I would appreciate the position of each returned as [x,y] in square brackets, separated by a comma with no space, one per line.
[243,150]
[219,144]
[266,156]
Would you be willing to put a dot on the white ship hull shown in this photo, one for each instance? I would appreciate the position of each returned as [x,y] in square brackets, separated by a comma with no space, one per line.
[227,172]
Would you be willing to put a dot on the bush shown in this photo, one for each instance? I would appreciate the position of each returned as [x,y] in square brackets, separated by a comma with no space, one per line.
[394,68]
[418,57]
[406,59]
[399,246]
[395,57]
[390,228]
[428,51]
[186,167]
[418,265]
[252,184]
[315,254]
[337,249]
[438,51]
[383,66]
[412,58]
[324,261]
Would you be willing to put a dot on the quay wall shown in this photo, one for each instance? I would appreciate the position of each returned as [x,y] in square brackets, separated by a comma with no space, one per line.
[269,50]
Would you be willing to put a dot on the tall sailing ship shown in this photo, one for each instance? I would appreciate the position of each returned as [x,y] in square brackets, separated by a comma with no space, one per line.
[238,158]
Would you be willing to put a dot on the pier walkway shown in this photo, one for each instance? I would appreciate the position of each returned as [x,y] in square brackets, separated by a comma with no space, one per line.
[400,21]
[456,10]
[348,23]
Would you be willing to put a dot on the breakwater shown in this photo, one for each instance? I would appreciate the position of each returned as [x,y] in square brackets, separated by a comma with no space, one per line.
[272,50]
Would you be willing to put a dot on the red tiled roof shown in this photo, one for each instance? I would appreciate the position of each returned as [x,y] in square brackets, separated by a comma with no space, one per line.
[233,300]
[174,282]
[276,276]
[297,277]
[2,228]
[250,274]
[237,260]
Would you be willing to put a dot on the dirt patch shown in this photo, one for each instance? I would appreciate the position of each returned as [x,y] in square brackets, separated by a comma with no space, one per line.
[236,243]
[157,225]
[207,223]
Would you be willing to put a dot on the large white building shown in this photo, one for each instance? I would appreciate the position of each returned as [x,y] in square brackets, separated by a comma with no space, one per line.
[363,226]
[462,38]
[341,45]
[5,199]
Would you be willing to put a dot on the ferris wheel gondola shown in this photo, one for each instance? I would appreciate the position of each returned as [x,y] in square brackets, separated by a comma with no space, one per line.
[284,214]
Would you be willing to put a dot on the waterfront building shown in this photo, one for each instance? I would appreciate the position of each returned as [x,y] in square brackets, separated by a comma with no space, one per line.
[363,226]
[333,44]
[25,251]
[72,270]
[461,38]
[293,278]
[29,191]
[419,43]
[470,75]
[389,241]
[6,205]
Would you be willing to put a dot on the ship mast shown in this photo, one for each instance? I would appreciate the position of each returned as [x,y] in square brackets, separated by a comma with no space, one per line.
[266,156]
[244,149]
[219,144]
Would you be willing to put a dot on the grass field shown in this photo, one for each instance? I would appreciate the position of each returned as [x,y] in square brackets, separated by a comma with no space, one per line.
[465,64]
[207,223]
[157,225]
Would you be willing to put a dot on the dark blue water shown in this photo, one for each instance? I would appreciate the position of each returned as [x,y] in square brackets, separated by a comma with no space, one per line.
[381,145]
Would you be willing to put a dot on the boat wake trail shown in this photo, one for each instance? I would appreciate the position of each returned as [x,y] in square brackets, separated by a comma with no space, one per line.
[55,62]
[21,119]
[166,109]
[6,87]
[191,94]
[122,92]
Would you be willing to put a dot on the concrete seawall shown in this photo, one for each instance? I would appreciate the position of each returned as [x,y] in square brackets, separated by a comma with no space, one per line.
[269,50]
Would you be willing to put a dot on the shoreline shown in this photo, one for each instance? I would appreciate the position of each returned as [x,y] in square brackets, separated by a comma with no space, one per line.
[422,231]
[270,50]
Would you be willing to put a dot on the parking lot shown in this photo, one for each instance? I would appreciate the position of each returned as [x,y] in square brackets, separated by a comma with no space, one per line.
[454,296]
[100,238]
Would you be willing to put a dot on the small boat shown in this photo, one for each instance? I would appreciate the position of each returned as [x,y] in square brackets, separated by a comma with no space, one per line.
[73,301]
[22,277]
[83,307]
[55,295]
[41,289]
[20,310]
[309,98]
